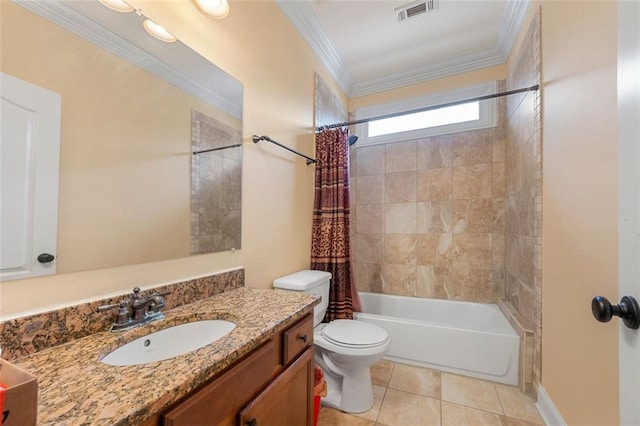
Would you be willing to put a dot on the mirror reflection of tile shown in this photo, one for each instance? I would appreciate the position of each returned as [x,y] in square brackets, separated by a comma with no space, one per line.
[216,185]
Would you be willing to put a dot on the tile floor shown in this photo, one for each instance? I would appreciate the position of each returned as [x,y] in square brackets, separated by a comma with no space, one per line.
[408,395]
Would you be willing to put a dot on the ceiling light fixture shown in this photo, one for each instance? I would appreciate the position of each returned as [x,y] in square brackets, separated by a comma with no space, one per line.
[117,5]
[157,31]
[217,9]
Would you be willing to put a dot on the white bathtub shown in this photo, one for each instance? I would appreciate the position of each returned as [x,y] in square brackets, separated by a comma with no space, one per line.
[472,339]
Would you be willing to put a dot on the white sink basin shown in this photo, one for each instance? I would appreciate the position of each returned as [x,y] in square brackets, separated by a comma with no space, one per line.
[170,342]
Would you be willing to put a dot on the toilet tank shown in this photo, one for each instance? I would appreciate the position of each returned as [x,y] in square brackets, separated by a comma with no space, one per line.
[311,282]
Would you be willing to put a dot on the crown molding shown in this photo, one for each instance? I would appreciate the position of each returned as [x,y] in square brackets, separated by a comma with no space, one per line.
[511,24]
[464,63]
[127,47]
[301,14]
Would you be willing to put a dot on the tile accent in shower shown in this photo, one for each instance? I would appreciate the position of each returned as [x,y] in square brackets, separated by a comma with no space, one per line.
[216,186]
[523,195]
[31,334]
[525,369]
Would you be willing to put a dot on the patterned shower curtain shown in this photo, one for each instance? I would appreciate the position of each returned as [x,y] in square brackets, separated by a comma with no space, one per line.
[330,250]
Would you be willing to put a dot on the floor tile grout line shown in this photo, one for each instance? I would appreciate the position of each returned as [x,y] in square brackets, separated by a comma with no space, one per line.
[384,395]
[440,400]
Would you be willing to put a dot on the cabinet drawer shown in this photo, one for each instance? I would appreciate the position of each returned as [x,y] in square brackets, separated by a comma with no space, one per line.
[218,402]
[296,339]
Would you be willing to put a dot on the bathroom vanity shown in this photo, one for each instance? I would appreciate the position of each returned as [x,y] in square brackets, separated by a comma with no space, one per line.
[260,373]
[271,386]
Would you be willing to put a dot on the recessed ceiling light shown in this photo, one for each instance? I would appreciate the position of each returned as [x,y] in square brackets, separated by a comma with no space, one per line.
[213,8]
[157,31]
[117,5]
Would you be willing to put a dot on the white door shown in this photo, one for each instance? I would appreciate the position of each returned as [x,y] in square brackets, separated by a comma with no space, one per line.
[29,156]
[629,201]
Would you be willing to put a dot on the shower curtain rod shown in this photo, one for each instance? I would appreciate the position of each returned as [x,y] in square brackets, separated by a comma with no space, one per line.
[257,139]
[217,149]
[429,108]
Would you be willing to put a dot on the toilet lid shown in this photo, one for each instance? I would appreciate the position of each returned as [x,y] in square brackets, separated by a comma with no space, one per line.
[354,333]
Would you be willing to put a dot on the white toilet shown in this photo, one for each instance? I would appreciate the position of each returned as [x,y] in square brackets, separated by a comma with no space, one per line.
[345,349]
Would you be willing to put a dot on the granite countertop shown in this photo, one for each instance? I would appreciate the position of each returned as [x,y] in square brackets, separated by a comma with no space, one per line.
[75,388]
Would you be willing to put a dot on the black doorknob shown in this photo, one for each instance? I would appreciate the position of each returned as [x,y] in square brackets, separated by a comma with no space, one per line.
[628,310]
[46,258]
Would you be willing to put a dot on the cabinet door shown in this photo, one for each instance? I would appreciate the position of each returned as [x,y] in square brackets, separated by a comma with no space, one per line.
[287,400]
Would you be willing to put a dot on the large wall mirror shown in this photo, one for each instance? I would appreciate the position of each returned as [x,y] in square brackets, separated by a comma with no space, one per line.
[134,110]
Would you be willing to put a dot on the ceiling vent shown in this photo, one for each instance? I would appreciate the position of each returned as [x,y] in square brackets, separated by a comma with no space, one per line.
[414,9]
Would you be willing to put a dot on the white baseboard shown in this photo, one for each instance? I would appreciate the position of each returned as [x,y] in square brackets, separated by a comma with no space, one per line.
[548,410]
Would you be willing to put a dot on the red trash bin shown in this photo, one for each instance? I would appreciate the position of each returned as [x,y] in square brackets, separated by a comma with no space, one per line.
[319,390]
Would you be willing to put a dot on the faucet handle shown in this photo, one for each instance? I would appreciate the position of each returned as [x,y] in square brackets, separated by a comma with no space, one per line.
[123,312]
[107,307]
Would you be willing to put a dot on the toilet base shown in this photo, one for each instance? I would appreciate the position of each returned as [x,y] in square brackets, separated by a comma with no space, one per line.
[354,403]
[351,392]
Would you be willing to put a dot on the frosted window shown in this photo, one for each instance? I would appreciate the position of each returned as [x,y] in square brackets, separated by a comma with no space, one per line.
[426,119]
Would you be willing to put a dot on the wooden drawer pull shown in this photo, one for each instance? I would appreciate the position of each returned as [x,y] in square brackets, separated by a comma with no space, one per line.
[252,422]
[302,337]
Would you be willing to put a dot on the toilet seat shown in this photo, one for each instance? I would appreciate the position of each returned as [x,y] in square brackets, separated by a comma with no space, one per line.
[354,334]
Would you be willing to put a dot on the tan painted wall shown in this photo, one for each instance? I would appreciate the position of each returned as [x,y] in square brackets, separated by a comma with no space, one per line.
[457,81]
[257,45]
[579,252]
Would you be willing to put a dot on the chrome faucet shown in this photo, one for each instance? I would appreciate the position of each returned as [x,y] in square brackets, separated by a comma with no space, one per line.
[137,310]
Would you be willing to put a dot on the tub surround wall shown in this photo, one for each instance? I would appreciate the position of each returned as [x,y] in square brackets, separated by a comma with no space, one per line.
[328,107]
[27,335]
[525,366]
[459,216]
[428,216]
[523,197]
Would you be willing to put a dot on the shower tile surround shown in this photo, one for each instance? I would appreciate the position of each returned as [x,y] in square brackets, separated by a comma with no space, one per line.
[523,197]
[428,216]
[458,216]
[328,108]
[27,335]
[216,186]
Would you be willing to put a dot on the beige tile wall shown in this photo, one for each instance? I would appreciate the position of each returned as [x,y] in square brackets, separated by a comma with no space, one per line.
[523,210]
[327,107]
[216,186]
[428,216]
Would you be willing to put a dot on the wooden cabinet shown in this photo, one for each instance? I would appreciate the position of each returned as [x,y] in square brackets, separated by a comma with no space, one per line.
[273,385]
[218,402]
[287,400]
